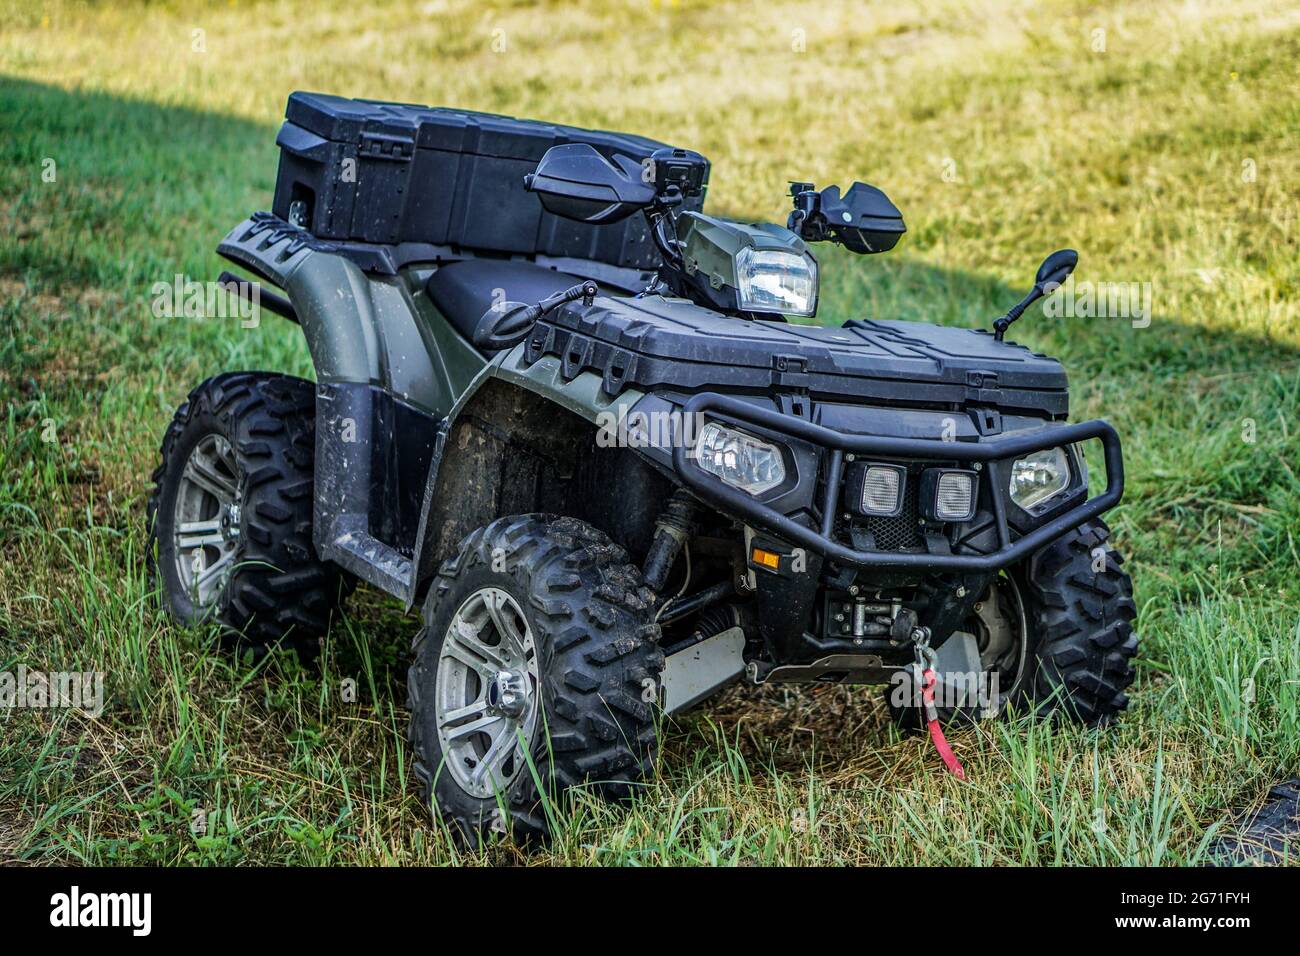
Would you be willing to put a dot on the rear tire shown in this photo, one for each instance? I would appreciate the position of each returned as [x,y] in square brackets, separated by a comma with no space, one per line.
[236,474]
[577,641]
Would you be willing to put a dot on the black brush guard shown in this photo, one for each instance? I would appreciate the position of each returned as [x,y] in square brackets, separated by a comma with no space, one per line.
[1006,447]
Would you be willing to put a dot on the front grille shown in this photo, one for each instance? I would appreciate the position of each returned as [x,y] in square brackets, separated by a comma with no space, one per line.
[903,531]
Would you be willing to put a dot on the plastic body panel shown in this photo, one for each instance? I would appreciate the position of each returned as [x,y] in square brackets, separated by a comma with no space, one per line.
[654,342]
[389,368]
[360,326]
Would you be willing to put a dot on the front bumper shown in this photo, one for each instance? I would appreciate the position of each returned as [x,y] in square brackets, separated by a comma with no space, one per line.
[837,444]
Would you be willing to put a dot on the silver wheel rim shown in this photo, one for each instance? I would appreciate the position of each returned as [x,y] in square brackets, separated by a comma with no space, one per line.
[487,693]
[207,520]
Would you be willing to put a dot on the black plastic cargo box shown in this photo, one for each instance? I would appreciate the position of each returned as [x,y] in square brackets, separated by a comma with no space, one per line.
[368,171]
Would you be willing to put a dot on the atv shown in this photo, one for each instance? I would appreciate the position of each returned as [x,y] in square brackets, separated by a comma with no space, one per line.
[591,433]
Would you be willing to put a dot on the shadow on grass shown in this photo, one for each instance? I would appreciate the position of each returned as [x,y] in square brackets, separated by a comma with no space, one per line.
[103,190]
[898,287]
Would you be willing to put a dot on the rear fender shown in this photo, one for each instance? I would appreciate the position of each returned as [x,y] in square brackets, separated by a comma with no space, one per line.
[502,437]
[383,382]
[360,327]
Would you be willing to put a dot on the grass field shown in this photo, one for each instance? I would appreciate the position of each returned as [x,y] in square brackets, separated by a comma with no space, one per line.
[1161,139]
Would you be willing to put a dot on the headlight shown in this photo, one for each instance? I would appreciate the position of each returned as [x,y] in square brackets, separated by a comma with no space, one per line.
[740,460]
[882,491]
[770,280]
[1040,476]
[948,494]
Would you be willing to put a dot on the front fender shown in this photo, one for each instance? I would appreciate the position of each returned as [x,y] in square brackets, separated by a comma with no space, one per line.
[509,401]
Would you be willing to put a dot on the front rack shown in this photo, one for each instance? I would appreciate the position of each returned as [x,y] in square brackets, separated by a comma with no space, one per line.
[716,492]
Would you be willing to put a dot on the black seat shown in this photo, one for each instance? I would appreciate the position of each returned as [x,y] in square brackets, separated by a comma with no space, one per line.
[463,291]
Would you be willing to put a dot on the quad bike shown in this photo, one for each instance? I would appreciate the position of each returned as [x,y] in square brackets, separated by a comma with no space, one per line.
[565,413]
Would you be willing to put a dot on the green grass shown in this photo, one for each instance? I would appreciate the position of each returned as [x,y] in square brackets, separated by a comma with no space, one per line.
[1135,156]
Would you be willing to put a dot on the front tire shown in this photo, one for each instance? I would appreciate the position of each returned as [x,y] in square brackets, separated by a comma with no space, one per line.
[1056,631]
[538,657]
[1082,614]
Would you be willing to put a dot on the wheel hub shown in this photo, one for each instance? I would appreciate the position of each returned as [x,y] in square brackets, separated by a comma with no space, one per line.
[508,694]
[1002,634]
[207,519]
[487,692]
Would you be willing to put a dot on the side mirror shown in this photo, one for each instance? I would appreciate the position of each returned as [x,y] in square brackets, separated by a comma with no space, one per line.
[503,326]
[577,182]
[1056,268]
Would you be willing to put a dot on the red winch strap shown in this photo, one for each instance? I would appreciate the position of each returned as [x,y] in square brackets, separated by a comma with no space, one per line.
[936,732]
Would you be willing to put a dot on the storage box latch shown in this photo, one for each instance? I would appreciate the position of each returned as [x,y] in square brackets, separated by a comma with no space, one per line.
[387,146]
